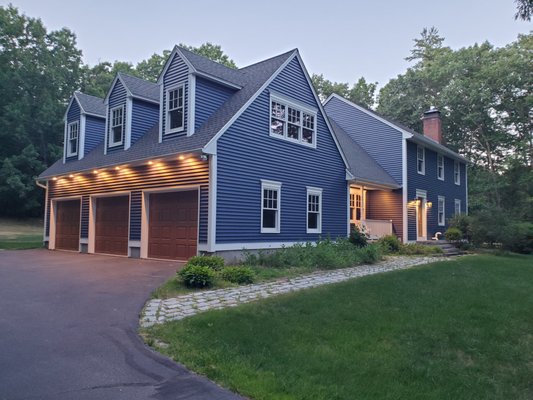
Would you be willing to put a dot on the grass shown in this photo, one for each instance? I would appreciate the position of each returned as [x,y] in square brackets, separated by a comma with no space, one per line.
[21,234]
[451,330]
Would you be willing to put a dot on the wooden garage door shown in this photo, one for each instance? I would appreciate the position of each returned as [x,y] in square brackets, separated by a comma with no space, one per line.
[173,225]
[111,225]
[68,225]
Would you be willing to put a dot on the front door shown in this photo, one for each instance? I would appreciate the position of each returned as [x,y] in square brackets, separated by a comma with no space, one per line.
[421,217]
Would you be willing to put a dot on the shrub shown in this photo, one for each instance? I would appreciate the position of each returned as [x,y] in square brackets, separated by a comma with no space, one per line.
[453,234]
[213,262]
[197,276]
[519,238]
[390,243]
[370,254]
[464,224]
[411,249]
[358,236]
[240,274]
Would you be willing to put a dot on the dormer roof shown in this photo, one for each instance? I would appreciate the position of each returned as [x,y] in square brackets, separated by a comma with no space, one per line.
[136,87]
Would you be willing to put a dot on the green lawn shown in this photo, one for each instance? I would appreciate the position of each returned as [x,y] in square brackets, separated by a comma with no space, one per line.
[21,234]
[451,330]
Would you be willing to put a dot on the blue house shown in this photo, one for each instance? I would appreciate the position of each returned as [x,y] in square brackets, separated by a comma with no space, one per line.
[425,182]
[208,159]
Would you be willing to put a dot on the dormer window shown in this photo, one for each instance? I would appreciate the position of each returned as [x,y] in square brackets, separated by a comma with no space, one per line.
[175,121]
[72,142]
[293,122]
[116,128]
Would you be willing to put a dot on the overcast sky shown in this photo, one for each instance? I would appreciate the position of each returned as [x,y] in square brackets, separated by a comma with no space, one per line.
[344,40]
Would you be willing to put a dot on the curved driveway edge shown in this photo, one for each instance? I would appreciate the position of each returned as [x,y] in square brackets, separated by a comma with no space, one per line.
[159,311]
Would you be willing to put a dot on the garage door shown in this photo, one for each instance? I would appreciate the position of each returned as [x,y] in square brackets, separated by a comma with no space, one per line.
[173,225]
[111,225]
[68,225]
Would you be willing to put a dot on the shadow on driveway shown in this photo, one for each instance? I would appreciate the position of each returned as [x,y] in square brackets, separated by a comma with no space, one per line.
[68,330]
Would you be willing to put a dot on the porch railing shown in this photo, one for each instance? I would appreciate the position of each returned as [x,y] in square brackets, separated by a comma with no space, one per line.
[376,228]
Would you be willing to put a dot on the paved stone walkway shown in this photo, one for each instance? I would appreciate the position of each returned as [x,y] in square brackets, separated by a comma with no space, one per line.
[159,311]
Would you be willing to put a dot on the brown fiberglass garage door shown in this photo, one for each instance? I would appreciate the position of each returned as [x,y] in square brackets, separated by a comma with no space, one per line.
[173,225]
[68,225]
[111,225]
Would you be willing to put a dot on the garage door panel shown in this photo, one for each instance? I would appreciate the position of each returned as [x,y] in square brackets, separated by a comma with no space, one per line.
[112,225]
[68,225]
[173,225]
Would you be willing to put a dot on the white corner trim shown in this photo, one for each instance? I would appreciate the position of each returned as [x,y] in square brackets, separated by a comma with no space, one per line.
[145,209]
[466,189]
[212,211]
[129,116]
[106,128]
[209,147]
[191,119]
[81,136]
[161,111]
[65,142]
[405,230]
[46,212]
[92,221]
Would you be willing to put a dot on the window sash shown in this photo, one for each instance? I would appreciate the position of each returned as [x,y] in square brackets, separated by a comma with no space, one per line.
[270,207]
[292,123]
[457,206]
[116,129]
[175,118]
[72,138]
[440,167]
[421,160]
[441,211]
[314,211]
[456,173]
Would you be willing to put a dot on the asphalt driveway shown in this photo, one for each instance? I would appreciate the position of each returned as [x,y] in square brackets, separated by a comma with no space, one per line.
[68,330]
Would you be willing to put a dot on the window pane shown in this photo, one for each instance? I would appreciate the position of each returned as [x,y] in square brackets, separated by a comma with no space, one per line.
[269,218]
[312,220]
[73,146]
[117,134]
[293,131]
[307,136]
[294,116]
[278,110]
[176,118]
[276,126]
[308,121]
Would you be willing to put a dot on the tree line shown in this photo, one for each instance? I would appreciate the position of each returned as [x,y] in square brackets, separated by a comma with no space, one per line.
[484,93]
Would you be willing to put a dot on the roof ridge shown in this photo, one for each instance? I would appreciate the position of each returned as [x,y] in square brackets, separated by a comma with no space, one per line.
[89,95]
[206,58]
[270,58]
[135,77]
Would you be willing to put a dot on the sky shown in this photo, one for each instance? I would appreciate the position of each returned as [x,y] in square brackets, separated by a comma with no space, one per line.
[343,40]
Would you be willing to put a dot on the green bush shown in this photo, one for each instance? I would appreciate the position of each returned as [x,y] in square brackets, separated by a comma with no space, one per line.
[238,274]
[389,243]
[519,238]
[197,276]
[358,236]
[370,254]
[412,249]
[453,234]
[464,223]
[213,262]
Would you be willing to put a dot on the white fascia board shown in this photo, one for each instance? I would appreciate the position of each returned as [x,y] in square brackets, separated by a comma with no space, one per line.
[210,147]
[192,105]
[65,116]
[129,111]
[106,98]
[81,137]
[405,231]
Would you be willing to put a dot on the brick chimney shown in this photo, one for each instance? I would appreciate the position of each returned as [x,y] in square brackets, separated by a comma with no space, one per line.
[432,125]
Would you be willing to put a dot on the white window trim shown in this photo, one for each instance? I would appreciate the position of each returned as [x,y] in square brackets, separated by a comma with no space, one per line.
[457,202]
[317,192]
[297,106]
[272,185]
[423,172]
[110,133]
[167,119]
[443,199]
[440,178]
[457,178]
[69,153]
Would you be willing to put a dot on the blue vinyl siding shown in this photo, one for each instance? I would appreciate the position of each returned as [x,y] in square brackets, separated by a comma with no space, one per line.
[144,116]
[176,74]
[135,214]
[117,98]
[381,141]
[247,154]
[73,115]
[434,187]
[204,211]
[84,227]
[209,97]
[94,132]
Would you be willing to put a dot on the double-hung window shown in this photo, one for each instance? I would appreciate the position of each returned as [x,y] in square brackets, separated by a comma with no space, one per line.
[457,206]
[175,118]
[292,121]
[116,128]
[421,160]
[314,210]
[441,211]
[440,167]
[456,173]
[270,206]
[73,133]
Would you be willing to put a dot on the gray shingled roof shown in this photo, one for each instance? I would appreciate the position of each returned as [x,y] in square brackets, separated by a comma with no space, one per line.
[361,165]
[140,88]
[91,104]
[252,79]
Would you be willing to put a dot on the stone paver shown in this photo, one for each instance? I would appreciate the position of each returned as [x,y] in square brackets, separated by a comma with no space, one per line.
[159,311]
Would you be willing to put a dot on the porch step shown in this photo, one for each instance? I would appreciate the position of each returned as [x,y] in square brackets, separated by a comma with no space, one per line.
[448,249]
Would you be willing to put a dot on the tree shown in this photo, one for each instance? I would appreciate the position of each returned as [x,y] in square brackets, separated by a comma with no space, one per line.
[213,52]
[362,92]
[151,68]
[38,72]
[524,9]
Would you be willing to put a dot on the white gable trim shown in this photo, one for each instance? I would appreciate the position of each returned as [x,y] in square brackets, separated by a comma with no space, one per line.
[191,121]
[210,147]
[81,137]
[65,116]
[129,111]
[112,87]
[175,50]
